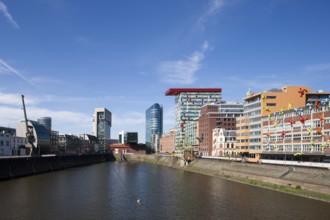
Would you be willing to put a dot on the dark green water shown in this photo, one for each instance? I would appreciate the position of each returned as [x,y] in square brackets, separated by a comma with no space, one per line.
[110,190]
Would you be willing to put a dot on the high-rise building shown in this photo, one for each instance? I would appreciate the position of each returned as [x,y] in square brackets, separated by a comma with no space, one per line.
[154,126]
[102,127]
[188,103]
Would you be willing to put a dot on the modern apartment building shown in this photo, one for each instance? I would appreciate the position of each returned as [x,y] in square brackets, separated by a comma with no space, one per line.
[102,127]
[154,126]
[222,115]
[301,134]
[264,104]
[188,102]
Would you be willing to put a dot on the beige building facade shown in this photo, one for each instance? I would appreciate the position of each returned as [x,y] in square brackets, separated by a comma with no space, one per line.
[167,142]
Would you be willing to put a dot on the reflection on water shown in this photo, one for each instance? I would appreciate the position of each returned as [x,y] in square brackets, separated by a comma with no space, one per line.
[110,191]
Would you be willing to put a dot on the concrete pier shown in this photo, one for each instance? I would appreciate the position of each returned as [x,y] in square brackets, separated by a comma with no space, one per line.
[14,167]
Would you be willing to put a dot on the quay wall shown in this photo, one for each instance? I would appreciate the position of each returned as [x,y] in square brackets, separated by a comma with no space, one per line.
[313,179]
[24,166]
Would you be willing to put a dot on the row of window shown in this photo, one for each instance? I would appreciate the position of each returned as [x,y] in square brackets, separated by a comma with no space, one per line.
[2,143]
[294,148]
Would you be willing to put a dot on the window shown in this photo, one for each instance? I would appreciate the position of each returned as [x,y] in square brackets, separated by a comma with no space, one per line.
[296,147]
[306,147]
[297,137]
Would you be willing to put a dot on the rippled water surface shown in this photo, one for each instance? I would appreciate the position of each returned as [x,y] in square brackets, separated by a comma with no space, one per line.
[110,191]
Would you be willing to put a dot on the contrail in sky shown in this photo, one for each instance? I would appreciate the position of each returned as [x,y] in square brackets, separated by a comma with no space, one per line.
[5,68]
[4,10]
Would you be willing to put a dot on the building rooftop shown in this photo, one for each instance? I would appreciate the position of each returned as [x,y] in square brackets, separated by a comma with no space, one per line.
[177,91]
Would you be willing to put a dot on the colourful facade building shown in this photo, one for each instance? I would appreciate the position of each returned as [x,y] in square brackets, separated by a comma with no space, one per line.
[192,133]
[263,104]
[301,134]
[188,102]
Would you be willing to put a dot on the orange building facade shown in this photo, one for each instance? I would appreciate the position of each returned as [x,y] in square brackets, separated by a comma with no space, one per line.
[263,104]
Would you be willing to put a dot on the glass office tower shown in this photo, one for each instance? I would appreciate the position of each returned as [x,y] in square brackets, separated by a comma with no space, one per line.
[154,127]
[102,127]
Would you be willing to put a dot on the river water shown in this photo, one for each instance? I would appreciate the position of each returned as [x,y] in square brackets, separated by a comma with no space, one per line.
[110,191]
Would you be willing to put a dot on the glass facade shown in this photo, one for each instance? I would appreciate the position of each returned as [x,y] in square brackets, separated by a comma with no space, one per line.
[128,137]
[102,127]
[154,126]
[46,121]
[188,105]
[191,132]
[42,135]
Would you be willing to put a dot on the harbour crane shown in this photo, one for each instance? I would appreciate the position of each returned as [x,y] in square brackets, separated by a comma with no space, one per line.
[29,131]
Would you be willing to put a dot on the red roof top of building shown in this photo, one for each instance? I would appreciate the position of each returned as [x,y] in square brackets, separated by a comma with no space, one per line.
[177,91]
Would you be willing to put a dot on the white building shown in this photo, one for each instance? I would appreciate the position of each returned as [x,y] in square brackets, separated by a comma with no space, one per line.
[11,145]
[223,143]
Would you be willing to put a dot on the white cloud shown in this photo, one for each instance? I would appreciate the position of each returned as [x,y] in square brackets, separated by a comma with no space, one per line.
[6,68]
[213,8]
[133,121]
[128,118]
[10,99]
[4,10]
[15,99]
[183,71]
[9,116]
[63,121]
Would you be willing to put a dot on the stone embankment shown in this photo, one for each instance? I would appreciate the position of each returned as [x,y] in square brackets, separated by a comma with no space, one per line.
[25,166]
[313,179]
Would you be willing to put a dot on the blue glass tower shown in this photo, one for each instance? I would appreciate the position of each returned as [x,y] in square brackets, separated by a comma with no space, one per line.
[154,127]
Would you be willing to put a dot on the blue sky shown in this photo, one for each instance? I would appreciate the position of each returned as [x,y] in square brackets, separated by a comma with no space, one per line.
[68,56]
